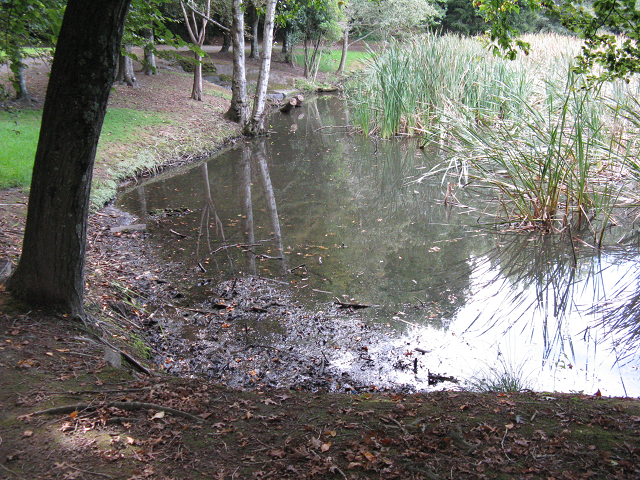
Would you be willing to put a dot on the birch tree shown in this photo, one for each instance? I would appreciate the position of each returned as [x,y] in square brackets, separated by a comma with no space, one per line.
[197,29]
[239,109]
[255,126]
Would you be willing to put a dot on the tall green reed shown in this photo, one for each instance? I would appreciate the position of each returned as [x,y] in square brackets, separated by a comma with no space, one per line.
[554,149]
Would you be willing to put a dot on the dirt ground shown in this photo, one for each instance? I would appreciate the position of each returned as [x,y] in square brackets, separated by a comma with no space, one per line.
[90,401]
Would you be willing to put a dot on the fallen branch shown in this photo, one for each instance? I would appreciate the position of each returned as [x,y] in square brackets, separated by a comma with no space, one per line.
[129,406]
[132,361]
[350,305]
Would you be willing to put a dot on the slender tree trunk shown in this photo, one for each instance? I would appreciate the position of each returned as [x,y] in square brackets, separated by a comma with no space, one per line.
[197,35]
[17,68]
[129,75]
[51,268]
[287,48]
[239,109]
[125,69]
[226,42]
[260,156]
[196,91]
[345,49]
[307,60]
[255,24]
[149,63]
[255,126]
[247,206]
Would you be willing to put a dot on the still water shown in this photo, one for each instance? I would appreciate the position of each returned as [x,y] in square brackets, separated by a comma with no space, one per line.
[335,216]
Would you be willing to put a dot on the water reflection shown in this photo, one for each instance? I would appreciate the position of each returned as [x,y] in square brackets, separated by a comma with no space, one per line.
[335,215]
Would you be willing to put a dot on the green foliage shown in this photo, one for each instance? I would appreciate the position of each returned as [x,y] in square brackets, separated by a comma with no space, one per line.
[392,18]
[26,23]
[597,22]
[461,17]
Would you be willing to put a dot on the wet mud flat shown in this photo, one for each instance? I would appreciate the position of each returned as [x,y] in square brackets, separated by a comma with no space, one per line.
[250,333]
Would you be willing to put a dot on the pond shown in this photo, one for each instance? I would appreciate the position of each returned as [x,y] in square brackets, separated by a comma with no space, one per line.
[340,221]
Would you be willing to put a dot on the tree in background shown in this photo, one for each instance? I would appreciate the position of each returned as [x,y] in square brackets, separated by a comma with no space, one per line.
[255,125]
[239,108]
[51,267]
[385,19]
[460,16]
[254,18]
[317,22]
[26,23]
[197,27]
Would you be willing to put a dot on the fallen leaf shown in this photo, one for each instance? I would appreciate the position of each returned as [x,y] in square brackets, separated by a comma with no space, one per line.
[279,453]
[369,456]
[268,401]
[315,443]
[158,415]
[27,433]
[325,447]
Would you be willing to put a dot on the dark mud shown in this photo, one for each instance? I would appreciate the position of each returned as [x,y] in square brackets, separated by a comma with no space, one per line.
[251,334]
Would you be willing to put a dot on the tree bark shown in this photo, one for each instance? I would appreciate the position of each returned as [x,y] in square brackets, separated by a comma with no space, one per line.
[255,23]
[51,268]
[125,68]
[239,109]
[287,48]
[345,49]
[226,42]
[17,68]
[149,63]
[255,127]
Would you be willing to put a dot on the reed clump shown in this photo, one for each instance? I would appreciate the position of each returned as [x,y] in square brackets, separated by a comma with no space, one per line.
[560,153]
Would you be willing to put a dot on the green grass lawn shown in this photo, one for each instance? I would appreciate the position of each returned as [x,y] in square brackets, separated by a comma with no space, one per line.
[330,59]
[19,138]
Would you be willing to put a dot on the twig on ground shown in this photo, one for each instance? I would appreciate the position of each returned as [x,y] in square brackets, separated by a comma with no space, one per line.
[121,405]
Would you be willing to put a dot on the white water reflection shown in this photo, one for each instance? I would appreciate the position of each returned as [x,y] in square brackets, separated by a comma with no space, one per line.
[552,347]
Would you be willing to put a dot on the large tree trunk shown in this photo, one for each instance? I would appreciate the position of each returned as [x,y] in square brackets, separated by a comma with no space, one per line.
[149,63]
[255,23]
[345,49]
[239,109]
[51,268]
[255,127]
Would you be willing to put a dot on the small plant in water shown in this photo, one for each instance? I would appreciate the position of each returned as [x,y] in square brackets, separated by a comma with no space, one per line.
[501,378]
